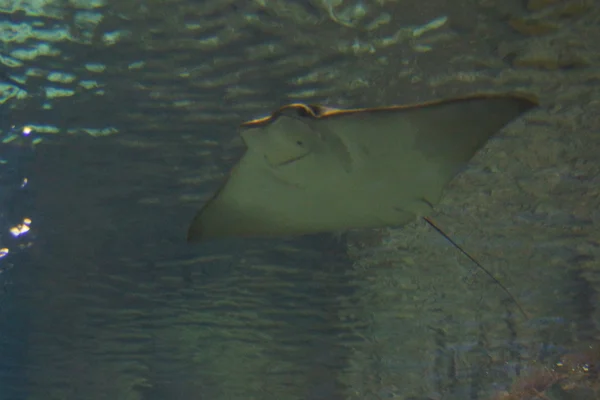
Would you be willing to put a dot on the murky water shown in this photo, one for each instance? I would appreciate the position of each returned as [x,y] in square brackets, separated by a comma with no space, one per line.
[119,120]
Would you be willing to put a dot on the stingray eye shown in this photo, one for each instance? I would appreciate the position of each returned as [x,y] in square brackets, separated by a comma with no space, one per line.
[303,112]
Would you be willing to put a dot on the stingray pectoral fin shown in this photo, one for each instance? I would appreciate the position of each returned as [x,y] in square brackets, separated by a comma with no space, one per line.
[215,220]
[451,132]
[208,219]
[221,218]
[223,214]
[248,204]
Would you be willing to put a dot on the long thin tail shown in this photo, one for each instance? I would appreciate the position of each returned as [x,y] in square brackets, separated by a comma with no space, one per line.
[441,232]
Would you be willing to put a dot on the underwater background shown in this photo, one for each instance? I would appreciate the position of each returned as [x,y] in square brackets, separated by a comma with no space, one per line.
[118,119]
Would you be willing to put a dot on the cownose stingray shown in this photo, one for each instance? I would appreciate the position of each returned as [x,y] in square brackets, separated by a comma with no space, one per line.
[310,169]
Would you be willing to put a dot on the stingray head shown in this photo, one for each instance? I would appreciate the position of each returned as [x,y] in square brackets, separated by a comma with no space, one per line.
[286,138]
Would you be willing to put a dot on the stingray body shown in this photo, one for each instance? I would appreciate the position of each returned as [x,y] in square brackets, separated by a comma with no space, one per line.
[310,169]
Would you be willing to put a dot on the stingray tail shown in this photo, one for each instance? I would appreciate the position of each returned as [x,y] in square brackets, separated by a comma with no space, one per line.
[488,273]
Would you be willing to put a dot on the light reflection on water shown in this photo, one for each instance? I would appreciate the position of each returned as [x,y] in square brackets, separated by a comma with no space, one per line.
[16,152]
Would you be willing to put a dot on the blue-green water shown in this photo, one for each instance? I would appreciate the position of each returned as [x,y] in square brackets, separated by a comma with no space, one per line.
[133,108]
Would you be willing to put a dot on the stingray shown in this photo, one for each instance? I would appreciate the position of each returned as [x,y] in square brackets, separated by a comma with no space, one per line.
[310,169]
